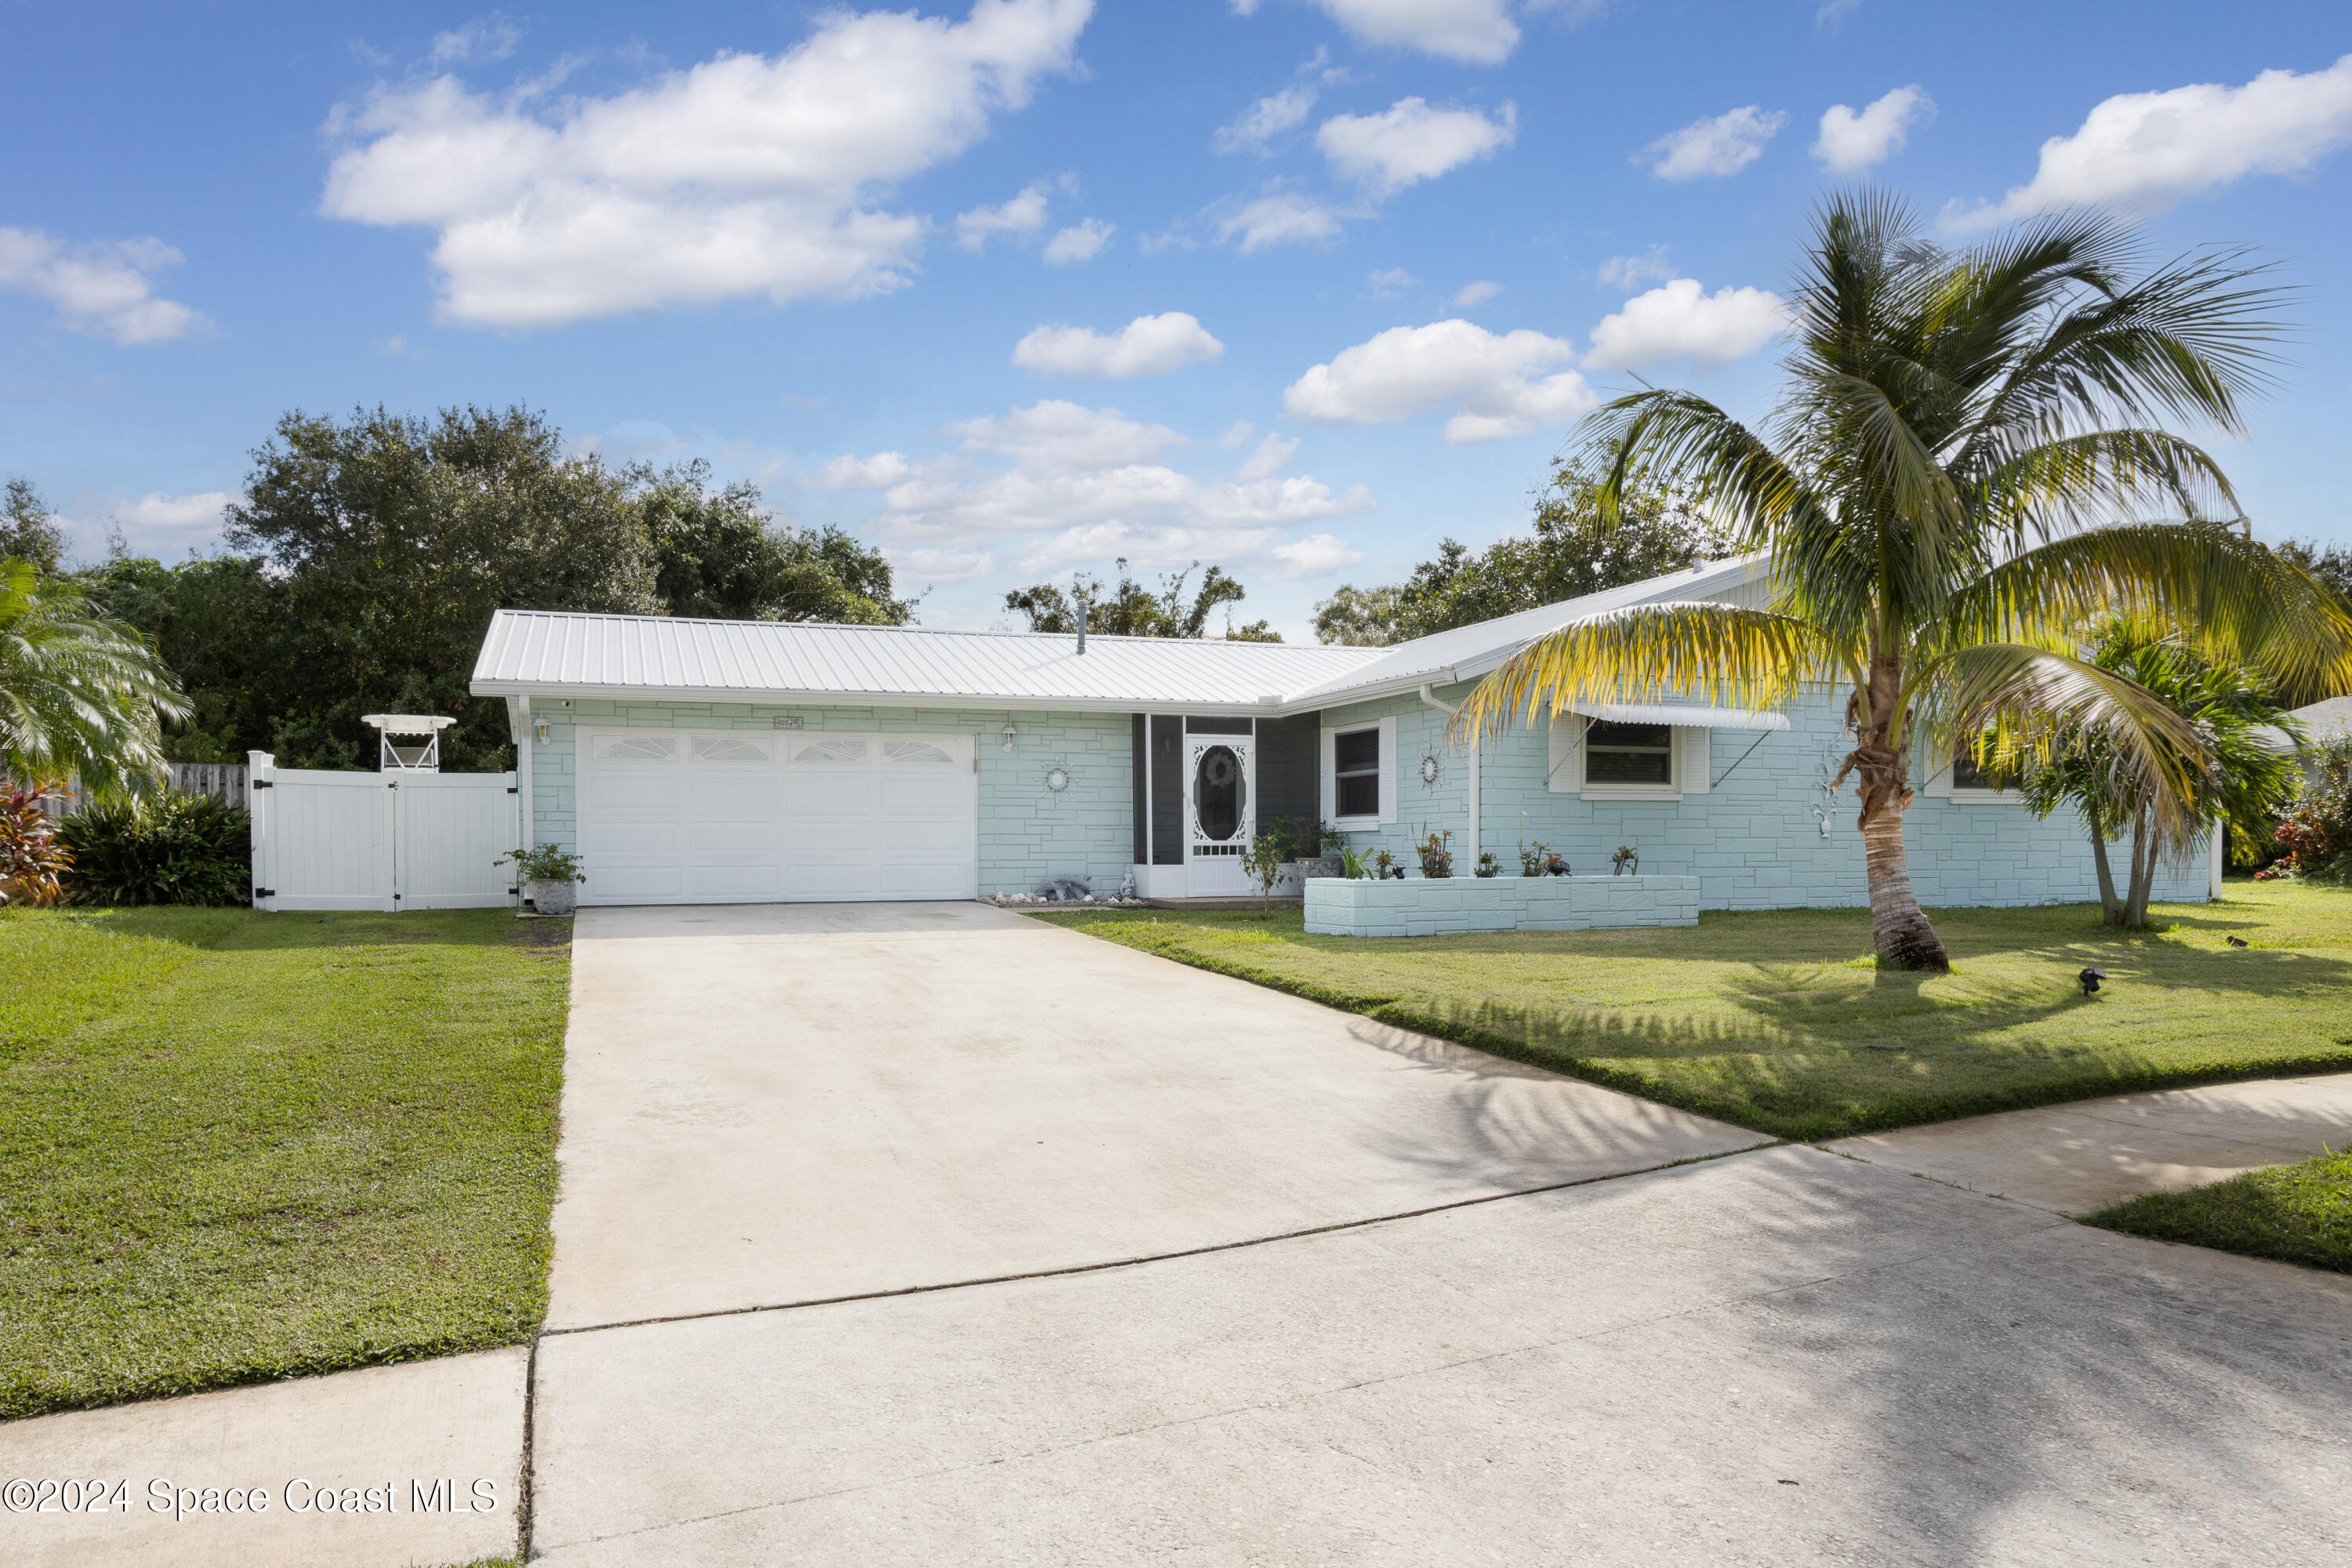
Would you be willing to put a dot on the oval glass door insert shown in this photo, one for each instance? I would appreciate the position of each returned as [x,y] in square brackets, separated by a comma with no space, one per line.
[1217,793]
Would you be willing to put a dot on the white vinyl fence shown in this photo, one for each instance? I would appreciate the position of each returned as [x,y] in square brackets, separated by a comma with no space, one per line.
[325,840]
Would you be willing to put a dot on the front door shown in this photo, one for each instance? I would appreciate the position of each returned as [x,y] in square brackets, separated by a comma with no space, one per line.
[1219,815]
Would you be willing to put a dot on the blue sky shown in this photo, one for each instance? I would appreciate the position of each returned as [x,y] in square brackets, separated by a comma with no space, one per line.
[1298,286]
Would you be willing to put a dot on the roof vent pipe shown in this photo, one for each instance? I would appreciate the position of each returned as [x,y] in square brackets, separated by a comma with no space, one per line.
[1082,627]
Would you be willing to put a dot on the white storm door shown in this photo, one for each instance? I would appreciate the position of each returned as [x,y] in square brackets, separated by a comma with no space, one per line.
[1220,813]
[632,822]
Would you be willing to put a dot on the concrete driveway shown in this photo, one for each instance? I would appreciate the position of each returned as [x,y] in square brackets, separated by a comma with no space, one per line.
[838,1279]
[776,1104]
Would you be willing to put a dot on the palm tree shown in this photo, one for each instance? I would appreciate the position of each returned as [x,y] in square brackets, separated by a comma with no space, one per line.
[1954,477]
[79,694]
[2244,787]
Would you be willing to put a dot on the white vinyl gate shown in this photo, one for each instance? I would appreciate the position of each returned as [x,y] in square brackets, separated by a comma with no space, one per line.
[325,840]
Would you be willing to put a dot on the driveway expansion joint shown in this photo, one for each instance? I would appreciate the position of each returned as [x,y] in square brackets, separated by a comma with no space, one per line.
[1141,1259]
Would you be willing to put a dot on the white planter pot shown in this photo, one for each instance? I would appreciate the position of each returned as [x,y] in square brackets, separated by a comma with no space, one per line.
[554,898]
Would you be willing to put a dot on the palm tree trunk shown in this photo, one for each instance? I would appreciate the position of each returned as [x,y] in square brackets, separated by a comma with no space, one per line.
[1899,928]
[2143,873]
[2111,909]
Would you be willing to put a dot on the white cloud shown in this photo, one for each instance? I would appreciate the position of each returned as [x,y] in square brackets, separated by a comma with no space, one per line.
[1474,32]
[1263,120]
[104,291]
[1236,436]
[1252,552]
[879,472]
[1409,142]
[1477,293]
[745,176]
[156,524]
[1682,320]
[1054,434]
[1851,143]
[1273,456]
[1080,242]
[2145,150]
[396,347]
[1495,383]
[1721,146]
[929,566]
[1832,17]
[1281,218]
[1630,272]
[1024,214]
[1148,345]
[490,38]
[1388,283]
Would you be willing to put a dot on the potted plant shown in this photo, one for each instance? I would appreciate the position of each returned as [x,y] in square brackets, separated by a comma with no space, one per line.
[1488,866]
[548,874]
[1384,864]
[1626,862]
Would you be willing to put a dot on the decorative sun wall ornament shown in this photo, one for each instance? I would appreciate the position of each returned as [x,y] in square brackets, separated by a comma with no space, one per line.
[1429,769]
[1057,779]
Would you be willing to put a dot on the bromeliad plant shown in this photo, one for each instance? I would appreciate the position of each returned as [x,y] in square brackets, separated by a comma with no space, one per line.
[33,864]
[1953,480]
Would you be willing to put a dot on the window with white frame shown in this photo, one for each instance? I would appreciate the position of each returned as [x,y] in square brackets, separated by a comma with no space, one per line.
[1355,772]
[1629,756]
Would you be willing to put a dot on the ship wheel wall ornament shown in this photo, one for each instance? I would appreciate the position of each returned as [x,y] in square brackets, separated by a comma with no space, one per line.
[1057,779]
[1429,769]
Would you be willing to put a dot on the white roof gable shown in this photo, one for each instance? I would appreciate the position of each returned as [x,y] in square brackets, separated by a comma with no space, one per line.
[557,653]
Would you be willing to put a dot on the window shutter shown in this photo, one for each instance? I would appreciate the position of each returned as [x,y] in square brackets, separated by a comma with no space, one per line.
[1566,775]
[1693,759]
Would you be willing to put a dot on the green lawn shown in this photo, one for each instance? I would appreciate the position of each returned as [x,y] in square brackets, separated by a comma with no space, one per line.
[1783,1022]
[237,1146]
[2297,1214]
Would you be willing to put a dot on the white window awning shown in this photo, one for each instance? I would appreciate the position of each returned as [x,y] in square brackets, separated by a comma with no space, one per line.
[1689,715]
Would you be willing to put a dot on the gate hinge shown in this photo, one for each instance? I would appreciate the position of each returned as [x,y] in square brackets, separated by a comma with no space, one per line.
[394,785]
[514,892]
[263,783]
[513,789]
[265,892]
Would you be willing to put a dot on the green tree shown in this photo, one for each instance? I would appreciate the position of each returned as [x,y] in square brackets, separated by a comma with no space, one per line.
[717,556]
[79,694]
[1933,492]
[28,529]
[1129,609]
[2241,791]
[220,624]
[1573,551]
[395,538]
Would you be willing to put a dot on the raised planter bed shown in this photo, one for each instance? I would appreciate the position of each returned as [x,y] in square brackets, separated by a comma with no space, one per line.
[1420,906]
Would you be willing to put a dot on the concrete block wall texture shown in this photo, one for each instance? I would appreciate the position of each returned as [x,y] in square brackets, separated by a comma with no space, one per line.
[1026,831]
[1433,907]
[1756,840]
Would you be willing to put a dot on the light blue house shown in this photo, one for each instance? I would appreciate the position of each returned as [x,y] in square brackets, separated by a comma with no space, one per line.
[703,761]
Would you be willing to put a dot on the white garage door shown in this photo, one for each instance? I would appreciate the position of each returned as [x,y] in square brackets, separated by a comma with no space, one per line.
[702,816]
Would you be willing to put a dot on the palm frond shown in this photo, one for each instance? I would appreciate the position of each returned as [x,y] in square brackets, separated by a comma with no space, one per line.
[79,694]
[1720,654]
[2035,703]
[2229,598]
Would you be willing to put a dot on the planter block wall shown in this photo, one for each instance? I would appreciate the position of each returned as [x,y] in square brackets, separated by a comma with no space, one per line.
[1421,906]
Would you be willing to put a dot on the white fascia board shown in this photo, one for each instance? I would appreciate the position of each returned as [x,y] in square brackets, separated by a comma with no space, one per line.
[982,702]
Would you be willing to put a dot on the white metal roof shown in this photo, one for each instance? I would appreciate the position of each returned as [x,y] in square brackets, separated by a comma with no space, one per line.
[540,651]
[562,653]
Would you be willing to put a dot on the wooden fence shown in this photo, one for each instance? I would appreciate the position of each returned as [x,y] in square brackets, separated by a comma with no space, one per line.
[224,782]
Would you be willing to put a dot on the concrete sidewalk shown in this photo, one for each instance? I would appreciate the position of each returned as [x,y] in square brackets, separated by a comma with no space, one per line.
[2077,1158]
[381,1441]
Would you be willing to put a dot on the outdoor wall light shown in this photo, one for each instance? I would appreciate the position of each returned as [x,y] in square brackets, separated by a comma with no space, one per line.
[1008,737]
[540,730]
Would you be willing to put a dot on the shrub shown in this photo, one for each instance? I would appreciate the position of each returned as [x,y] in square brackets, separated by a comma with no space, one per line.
[2316,831]
[33,864]
[161,849]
